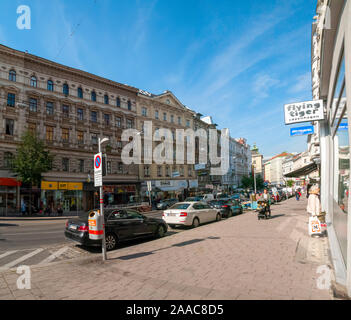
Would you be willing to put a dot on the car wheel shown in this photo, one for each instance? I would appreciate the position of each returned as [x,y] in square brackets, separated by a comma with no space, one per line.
[218,217]
[161,232]
[111,241]
[196,223]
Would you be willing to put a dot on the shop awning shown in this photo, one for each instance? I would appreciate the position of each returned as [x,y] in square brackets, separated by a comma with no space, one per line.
[9,182]
[304,171]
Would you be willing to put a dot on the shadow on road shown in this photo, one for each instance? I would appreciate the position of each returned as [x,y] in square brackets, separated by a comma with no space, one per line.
[8,225]
[277,216]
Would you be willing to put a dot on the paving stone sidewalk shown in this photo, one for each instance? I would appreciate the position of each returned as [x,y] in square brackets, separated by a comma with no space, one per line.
[239,258]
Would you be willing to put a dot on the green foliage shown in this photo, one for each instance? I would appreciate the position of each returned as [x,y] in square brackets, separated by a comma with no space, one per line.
[31,160]
[248,182]
[290,183]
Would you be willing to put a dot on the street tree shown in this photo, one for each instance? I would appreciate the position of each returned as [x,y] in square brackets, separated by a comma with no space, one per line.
[31,161]
[248,182]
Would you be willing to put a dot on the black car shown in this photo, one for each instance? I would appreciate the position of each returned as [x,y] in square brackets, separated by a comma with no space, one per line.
[224,205]
[165,204]
[120,225]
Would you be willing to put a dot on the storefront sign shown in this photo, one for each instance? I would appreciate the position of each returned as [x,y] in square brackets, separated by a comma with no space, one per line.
[193,183]
[301,131]
[47,185]
[200,167]
[175,174]
[304,112]
[63,185]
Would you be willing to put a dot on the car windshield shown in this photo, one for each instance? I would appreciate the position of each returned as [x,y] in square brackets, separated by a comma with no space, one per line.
[181,206]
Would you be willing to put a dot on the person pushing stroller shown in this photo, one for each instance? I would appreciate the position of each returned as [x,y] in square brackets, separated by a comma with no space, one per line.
[266,197]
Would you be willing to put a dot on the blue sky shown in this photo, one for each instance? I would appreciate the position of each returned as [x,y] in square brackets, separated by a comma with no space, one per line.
[238,61]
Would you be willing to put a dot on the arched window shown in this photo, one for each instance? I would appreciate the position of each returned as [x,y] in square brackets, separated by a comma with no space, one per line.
[93,96]
[118,102]
[12,75]
[33,81]
[8,160]
[106,99]
[129,105]
[65,89]
[80,93]
[50,85]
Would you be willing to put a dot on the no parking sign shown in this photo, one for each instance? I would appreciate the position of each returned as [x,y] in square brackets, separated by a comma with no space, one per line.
[98,170]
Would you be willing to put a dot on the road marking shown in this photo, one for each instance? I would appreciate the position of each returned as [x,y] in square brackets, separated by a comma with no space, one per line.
[54,256]
[7,254]
[19,260]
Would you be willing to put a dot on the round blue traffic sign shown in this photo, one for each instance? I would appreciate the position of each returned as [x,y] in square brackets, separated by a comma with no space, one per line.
[97,162]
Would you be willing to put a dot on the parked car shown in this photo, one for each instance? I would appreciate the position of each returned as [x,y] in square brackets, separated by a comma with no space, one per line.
[224,206]
[190,214]
[120,225]
[207,197]
[236,206]
[193,199]
[165,204]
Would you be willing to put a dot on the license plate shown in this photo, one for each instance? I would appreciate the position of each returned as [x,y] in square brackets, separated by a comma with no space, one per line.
[172,214]
[73,227]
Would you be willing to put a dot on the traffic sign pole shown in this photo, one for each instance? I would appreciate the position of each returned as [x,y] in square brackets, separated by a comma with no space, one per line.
[104,255]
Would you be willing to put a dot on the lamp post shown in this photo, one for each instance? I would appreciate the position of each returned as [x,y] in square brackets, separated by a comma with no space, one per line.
[104,256]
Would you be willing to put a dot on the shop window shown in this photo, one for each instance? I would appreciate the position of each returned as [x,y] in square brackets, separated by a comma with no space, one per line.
[11,99]
[9,123]
[33,105]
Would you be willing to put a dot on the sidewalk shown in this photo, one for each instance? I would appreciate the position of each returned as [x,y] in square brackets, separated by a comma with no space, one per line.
[238,258]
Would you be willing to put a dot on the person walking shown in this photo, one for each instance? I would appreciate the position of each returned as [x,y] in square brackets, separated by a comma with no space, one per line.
[266,197]
[313,204]
[298,194]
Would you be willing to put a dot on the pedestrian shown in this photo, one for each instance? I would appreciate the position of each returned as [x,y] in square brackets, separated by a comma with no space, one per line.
[298,195]
[266,197]
[23,208]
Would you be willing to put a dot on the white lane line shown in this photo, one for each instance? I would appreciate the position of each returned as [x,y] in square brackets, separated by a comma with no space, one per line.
[7,254]
[54,256]
[19,260]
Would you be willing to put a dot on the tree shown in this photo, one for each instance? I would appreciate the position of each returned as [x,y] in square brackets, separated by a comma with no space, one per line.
[31,161]
[248,182]
[290,183]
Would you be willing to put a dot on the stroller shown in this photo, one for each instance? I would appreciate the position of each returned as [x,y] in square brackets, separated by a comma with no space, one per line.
[262,210]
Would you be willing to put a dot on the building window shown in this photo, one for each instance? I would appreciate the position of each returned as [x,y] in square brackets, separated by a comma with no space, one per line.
[93,96]
[33,105]
[81,166]
[93,116]
[179,120]
[49,134]
[32,128]
[80,114]
[49,108]
[107,119]
[8,160]
[80,137]
[108,163]
[188,123]
[159,171]
[120,167]
[129,105]
[12,75]
[65,135]
[144,112]
[65,164]
[181,171]
[9,123]
[130,124]
[50,85]
[65,111]
[65,89]
[165,116]
[80,93]
[33,82]
[156,115]
[94,139]
[190,172]
[146,171]
[11,99]
[118,102]
[168,172]
[118,122]
[106,100]
[172,118]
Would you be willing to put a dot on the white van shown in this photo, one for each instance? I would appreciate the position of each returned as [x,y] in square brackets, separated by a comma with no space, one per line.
[207,197]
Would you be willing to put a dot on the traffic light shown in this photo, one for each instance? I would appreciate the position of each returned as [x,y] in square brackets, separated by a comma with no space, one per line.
[104,165]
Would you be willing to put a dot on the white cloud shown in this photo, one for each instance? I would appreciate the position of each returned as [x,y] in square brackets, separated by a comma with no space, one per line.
[303,83]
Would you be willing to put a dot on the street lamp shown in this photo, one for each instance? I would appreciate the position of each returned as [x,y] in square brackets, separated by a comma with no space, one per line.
[104,256]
